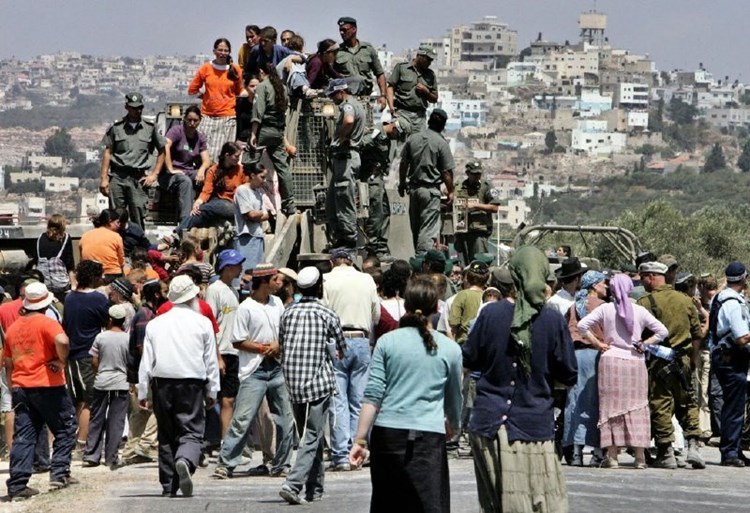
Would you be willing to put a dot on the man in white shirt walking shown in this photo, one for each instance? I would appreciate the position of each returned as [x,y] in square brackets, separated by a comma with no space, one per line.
[354,297]
[179,363]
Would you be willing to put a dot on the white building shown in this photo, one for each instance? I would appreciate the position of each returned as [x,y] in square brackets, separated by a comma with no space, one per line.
[715,98]
[728,118]
[60,183]
[513,214]
[386,58]
[629,95]
[462,112]
[34,162]
[593,138]
[25,176]
[32,210]
[519,73]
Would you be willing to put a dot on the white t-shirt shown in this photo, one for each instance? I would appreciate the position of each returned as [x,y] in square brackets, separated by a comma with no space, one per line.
[561,301]
[395,307]
[224,302]
[443,326]
[259,323]
[247,199]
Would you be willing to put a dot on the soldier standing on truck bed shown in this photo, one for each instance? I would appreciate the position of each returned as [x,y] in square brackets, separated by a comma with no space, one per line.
[483,202]
[128,145]
[341,211]
[411,86]
[358,60]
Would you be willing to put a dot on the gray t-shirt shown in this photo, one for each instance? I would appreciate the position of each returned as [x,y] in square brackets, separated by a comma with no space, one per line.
[247,199]
[111,347]
[223,301]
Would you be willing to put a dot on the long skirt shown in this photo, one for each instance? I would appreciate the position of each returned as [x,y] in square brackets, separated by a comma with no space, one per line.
[582,406]
[218,130]
[409,471]
[518,477]
[624,418]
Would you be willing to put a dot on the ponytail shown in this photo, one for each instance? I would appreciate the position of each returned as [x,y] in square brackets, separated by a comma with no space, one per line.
[232,71]
[279,91]
[420,301]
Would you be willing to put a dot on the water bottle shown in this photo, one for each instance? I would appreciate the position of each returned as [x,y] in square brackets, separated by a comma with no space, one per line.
[663,352]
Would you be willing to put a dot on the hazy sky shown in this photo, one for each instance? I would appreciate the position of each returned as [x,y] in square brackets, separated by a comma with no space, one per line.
[675,33]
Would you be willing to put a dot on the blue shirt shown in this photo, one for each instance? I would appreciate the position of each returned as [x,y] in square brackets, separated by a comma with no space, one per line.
[85,314]
[733,321]
[504,394]
[258,59]
[412,388]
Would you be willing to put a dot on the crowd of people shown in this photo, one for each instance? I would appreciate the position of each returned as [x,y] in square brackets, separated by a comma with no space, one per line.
[153,350]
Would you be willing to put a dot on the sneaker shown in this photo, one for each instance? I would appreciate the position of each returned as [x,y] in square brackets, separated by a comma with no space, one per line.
[23,494]
[186,482]
[341,467]
[90,464]
[282,472]
[314,498]
[57,483]
[290,495]
[733,462]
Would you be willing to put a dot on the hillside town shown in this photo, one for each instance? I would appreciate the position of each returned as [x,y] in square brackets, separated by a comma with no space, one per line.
[544,116]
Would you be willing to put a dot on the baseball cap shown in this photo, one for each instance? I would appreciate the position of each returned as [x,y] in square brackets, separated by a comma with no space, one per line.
[337,84]
[229,257]
[735,272]
[341,253]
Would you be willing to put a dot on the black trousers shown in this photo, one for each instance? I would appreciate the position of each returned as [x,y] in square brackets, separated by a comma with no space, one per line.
[109,408]
[181,419]
[409,471]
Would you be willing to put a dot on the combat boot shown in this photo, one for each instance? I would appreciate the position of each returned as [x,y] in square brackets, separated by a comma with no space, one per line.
[693,455]
[665,457]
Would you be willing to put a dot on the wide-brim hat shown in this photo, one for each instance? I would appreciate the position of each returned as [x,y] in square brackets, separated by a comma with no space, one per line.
[182,289]
[37,297]
[569,268]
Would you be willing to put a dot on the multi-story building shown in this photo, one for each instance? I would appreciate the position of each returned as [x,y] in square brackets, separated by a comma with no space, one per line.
[594,138]
[60,183]
[484,42]
[728,118]
[629,95]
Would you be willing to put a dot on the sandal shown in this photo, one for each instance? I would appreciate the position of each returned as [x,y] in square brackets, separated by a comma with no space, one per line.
[640,465]
[610,463]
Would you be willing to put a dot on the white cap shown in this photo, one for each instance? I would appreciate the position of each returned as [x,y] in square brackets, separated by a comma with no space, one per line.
[308,277]
[37,297]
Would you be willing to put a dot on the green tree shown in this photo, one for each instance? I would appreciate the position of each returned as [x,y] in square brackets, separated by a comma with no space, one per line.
[682,113]
[656,117]
[60,144]
[715,159]
[550,141]
[744,161]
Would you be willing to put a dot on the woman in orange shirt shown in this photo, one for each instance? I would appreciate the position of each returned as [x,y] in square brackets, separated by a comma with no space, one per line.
[215,204]
[221,81]
[104,244]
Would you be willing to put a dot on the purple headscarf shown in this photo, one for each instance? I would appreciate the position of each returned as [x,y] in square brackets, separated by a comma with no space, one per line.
[621,285]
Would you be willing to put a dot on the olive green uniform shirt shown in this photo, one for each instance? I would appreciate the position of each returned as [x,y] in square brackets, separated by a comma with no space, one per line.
[132,146]
[676,311]
[353,107]
[265,112]
[375,153]
[428,155]
[404,79]
[359,61]
[480,220]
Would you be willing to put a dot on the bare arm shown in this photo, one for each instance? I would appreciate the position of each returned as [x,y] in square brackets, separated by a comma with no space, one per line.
[103,176]
[389,96]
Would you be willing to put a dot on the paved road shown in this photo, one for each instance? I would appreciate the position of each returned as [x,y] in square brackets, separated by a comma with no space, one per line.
[135,489]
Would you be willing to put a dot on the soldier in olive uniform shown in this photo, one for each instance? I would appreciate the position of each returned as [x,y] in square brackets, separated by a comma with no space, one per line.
[358,59]
[670,384]
[411,86]
[376,161]
[128,147]
[480,212]
[426,163]
[347,141]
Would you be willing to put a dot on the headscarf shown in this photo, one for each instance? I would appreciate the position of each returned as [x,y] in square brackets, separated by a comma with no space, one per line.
[621,285]
[529,268]
[588,281]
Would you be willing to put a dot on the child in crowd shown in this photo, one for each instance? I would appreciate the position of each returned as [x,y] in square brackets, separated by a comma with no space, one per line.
[110,403]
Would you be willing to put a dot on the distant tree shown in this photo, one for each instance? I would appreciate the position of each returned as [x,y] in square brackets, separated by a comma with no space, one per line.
[60,144]
[744,161]
[550,141]
[84,171]
[656,117]
[665,78]
[682,113]
[715,159]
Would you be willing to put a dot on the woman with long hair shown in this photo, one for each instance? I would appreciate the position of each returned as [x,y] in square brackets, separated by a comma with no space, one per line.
[406,403]
[104,244]
[214,204]
[221,83]
[624,419]
[54,256]
[267,130]
[320,66]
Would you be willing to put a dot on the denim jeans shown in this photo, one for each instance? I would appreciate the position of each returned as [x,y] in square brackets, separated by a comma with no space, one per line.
[266,381]
[252,248]
[35,407]
[182,186]
[212,213]
[308,470]
[351,378]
